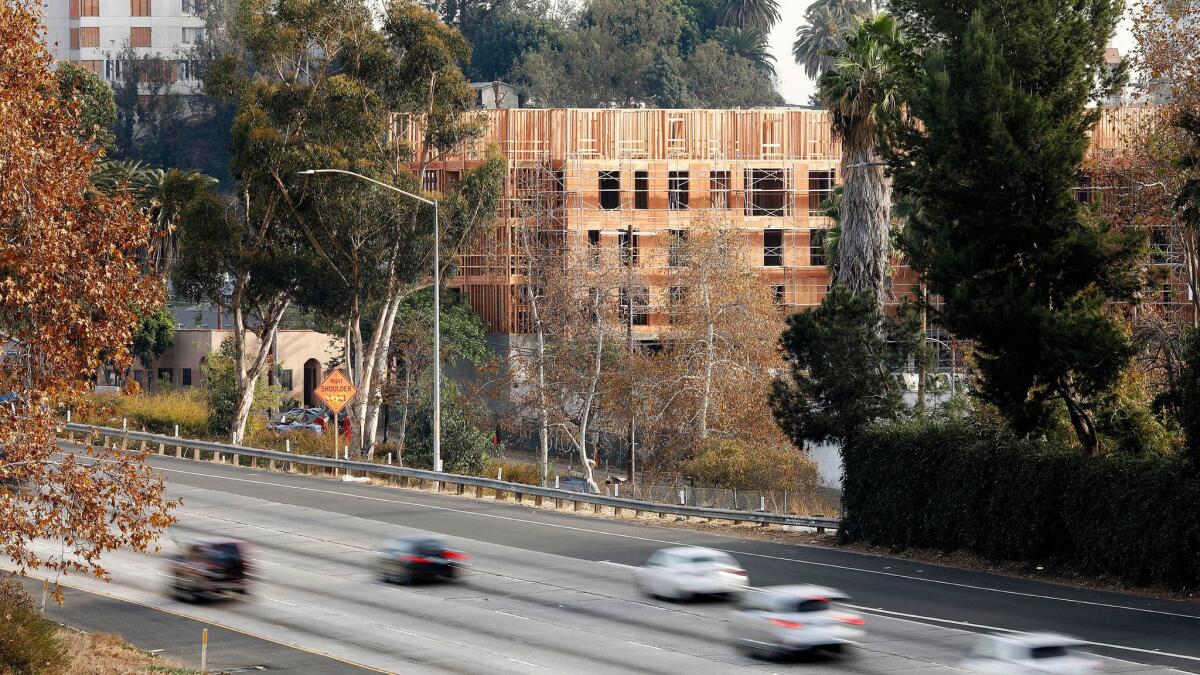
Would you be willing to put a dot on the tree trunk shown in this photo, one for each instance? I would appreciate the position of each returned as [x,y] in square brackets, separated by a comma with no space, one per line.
[1081,422]
[863,247]
[593,391]
[710,358]
[248,377]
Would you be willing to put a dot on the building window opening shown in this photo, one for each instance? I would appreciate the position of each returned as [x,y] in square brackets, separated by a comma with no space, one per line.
[187,377]
[773,248]
[675,300]
[820,188]
[677,190]
[640,297]
[677,248]
[610,190]
[816,248]
[641,190]
[767,192]
[718,189]
[629,250]
[593,252]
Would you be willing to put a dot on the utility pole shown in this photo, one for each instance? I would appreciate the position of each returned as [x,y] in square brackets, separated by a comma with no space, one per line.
[629,292]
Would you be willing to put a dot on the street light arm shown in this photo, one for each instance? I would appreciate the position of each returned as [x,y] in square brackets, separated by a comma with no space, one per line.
[393,188]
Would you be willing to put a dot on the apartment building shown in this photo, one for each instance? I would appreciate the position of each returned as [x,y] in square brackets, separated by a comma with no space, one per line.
[92,32]
[593,178]
[599,177]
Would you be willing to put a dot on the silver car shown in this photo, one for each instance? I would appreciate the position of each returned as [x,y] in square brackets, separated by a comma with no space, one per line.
[684,572]
[1029,653]
[785,620]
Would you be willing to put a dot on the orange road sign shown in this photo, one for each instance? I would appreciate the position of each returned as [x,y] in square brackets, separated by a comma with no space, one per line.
[336,391]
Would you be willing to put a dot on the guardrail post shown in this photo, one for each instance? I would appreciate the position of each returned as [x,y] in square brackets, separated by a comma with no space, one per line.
[237,459]
[575,505]
[637,513]
[598,508]
[479,492]
[558,502]
[162,448]
[499,495]
[142,445]
[662,514]
[461,488]
[519,496]
[617,511]
[537,500]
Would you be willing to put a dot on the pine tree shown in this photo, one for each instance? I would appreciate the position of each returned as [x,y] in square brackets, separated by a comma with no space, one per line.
[1024,270]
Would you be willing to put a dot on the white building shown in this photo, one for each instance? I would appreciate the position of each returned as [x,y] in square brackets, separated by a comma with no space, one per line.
[492,95]
[92,32]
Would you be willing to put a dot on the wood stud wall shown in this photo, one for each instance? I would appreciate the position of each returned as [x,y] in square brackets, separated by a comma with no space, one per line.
[577,144]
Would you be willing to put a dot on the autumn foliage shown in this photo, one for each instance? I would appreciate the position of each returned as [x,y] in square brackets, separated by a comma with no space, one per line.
[70,294]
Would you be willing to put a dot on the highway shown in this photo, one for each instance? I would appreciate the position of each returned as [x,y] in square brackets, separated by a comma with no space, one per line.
[552,592]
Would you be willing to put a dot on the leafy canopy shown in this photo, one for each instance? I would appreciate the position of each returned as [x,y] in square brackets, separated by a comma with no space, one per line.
[1023,269]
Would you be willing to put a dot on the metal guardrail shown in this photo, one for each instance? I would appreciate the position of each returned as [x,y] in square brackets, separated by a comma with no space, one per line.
[109,434]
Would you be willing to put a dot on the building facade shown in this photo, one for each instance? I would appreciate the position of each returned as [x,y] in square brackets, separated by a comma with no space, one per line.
[92,33]
[595,178]
[633,183]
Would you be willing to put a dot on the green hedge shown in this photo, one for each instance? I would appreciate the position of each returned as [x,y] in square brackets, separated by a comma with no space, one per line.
[958,485]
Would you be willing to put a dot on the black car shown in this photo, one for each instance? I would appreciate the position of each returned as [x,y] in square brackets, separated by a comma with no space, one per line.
[209,568]
[408,559]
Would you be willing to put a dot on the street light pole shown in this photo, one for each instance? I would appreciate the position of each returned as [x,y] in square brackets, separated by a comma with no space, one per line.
[437,343]
[437,305]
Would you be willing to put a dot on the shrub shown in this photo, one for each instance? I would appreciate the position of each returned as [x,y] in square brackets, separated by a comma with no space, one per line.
[735,464]
[27,640]
[466,449]
[221,392]
[157,413]
[514,472]
[973,486]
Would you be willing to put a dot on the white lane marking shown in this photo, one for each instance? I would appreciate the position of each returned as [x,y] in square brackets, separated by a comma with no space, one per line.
[481,650]
[643,644]
[667,541]
[926,619]
[282,602]
[617,564]
[515,616]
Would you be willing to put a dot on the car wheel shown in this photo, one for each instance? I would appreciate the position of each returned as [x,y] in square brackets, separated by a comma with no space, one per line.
[182,594]
[406,577]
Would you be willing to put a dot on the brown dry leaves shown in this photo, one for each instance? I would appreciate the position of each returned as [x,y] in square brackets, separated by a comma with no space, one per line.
[71,290]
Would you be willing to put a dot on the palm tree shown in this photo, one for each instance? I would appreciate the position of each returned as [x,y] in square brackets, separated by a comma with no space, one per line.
[760,14]
[825,25]
[861,92]
[161,195]
[748,43]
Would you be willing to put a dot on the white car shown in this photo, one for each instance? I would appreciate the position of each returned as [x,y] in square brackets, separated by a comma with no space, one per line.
[687,571]
[1029,653]
[784,620]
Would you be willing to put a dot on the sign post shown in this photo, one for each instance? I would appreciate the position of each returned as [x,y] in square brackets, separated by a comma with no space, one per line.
[335,392]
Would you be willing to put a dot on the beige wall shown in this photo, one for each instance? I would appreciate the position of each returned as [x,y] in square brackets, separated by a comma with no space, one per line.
[192,345]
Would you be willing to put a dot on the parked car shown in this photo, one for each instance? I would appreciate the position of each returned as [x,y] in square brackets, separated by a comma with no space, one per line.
[1029,653]
[575,484]
[408,559]
[313,420]
[785,620]
[209,568]
[685,572]
[300,419]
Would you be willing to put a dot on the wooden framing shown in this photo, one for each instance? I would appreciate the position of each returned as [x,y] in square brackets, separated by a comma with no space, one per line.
[591,175]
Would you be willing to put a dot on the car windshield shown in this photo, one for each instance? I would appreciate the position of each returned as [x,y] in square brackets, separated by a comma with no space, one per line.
[698,558]
[428,547]
[1049,652]
[794,605]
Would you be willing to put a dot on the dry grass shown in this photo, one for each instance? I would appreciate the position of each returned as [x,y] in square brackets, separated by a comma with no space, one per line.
[103,654]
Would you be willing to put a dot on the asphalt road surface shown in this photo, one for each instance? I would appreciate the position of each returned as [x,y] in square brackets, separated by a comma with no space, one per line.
[552,592]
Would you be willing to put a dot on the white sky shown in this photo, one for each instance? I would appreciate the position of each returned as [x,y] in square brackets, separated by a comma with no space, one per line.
[796,88]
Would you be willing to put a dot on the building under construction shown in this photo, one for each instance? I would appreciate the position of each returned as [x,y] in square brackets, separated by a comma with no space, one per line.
[633,182]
